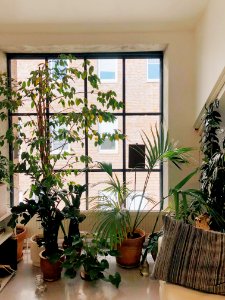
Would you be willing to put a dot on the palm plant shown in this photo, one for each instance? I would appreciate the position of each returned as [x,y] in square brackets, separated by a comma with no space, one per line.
[114,220]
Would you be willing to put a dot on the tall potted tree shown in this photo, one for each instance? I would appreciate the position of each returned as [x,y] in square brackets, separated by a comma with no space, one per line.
[47,87]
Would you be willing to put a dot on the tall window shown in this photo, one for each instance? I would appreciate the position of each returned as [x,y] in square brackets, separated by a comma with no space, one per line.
[126,73]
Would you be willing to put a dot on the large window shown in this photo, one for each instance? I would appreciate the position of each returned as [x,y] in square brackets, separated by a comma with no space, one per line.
[125,73]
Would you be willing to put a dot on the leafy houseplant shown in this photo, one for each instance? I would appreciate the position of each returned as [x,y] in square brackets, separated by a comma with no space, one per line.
[114,220]
[93,268]
[73,120]
[212,177]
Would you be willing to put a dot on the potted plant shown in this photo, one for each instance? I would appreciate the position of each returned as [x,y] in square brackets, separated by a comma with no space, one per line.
[212,176]
[93,267]
[114,219]
[9,103]
[75,119]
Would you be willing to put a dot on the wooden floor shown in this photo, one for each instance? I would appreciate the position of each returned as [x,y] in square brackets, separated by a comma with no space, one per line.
[133,286]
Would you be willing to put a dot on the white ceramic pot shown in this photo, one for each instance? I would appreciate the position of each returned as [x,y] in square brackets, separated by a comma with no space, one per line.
[35,250]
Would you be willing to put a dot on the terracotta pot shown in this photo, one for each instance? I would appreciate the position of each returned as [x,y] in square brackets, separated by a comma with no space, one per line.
[35,250]
[51,272]
[130,251]
[21,233]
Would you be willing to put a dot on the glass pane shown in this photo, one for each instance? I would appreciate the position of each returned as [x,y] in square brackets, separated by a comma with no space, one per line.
[135,125]
[22,184]
[20,70]
[141,94]
[25,129]
[78,84]
[111,152]
[108,83]
[97,183]
[136,183]
[76,179]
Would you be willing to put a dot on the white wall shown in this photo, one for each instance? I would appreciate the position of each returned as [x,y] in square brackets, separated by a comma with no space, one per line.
[210,51]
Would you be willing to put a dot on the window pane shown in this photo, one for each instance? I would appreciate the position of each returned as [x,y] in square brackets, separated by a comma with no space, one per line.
[135,125]
[105,86]
[24,122]
[152,192]
[22,185]
[141,95]
[108,127]
[76,179]
[97,183]
[20,69]
[78,84]
[109,151]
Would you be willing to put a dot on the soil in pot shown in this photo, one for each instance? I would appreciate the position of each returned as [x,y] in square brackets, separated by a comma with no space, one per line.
[51,271]
[21,233]
[130,250]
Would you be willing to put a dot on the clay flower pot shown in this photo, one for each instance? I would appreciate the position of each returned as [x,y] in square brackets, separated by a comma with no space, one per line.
[21,234]
[130,251]
[51,271]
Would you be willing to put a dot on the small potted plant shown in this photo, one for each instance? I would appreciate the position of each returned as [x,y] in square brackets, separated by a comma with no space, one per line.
[93,267]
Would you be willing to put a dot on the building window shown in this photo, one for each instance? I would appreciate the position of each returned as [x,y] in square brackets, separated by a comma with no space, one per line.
[142,110]
[108,146]
[107,70]
[153,69]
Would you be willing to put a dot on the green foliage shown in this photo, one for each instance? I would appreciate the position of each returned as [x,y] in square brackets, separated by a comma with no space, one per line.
[52,87]
[89,259]
[114,220]
[46,208]
[4,169]
[213,167]
[71,210]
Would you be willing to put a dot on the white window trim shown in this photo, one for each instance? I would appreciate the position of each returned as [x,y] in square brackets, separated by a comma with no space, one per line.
[109,151]
[151,80]
[116,72]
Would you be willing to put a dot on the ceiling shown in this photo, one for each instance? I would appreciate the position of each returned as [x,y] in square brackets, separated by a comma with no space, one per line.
[73,16]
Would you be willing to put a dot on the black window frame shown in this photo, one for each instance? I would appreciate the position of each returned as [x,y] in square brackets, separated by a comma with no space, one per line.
[123,114]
